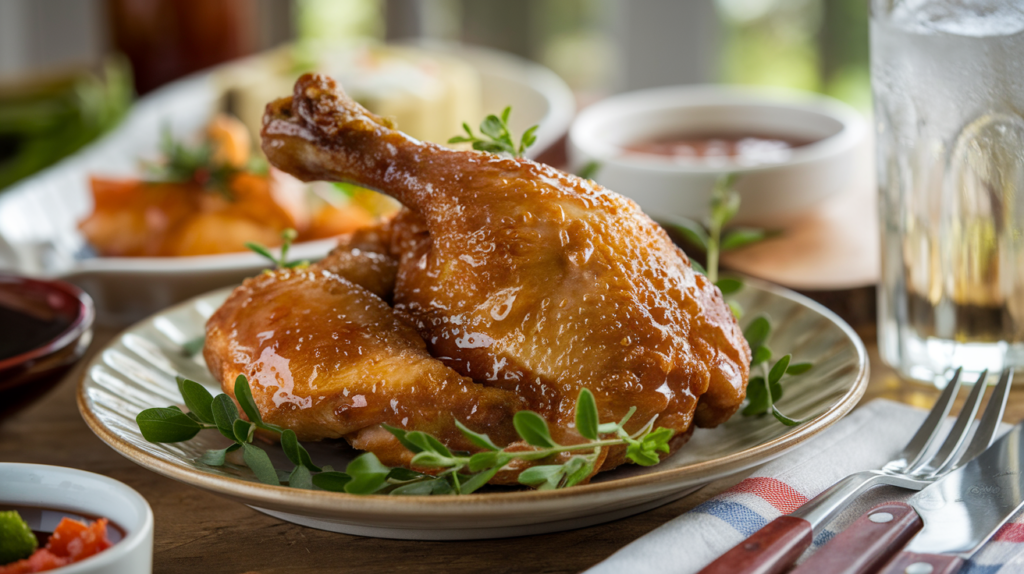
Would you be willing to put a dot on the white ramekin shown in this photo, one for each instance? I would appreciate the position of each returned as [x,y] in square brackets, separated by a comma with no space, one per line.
[770,194]
[82,492]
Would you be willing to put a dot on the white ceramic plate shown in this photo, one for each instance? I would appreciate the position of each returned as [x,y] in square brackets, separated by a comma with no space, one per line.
[136,371]
[39,216]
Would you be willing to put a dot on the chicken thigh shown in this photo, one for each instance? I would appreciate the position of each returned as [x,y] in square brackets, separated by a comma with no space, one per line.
[525,278]
[328,358]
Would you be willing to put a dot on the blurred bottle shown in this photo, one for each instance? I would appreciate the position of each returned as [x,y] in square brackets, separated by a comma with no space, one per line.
[168,39]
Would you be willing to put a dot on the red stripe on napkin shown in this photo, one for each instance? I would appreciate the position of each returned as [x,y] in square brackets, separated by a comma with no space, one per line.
[1011,532]
[777,493]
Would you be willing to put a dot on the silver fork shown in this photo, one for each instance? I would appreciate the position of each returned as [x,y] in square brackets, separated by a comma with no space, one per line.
[777,546]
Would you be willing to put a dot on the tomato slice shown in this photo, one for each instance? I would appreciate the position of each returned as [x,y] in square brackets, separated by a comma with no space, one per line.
[70,542]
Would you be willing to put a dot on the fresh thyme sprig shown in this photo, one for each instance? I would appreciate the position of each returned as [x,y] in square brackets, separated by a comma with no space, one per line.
[713,239]
[764,390]
[287,237]
[498,136]
[455,472]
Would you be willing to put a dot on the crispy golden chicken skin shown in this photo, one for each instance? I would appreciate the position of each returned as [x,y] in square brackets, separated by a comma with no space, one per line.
[327,358]
[527,279]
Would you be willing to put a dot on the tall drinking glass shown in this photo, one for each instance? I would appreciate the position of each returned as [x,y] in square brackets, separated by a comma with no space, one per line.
[948,80]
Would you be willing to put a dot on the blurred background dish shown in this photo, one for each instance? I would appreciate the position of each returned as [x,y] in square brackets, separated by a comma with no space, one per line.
[47,326]
[43,494]
[40,216]
[665,147]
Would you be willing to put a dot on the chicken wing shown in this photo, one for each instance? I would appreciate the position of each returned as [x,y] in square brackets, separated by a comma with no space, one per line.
[525,278]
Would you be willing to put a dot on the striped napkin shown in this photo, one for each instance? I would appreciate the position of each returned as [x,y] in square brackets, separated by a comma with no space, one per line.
[866,439]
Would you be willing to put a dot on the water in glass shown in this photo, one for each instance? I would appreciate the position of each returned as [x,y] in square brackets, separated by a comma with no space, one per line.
[948,79]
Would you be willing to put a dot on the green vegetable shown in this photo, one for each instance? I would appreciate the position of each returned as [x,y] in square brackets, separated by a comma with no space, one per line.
[196,164]
[287,237]
[17,541]
[457,472]
[497,136]
[42,123]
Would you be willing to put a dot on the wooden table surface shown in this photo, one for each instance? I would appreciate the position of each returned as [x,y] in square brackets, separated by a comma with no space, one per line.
[200,532]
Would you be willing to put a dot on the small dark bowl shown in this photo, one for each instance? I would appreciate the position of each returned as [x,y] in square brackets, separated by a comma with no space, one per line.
[56,301]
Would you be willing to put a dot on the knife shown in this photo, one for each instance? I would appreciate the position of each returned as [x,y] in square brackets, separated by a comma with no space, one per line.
[961,512]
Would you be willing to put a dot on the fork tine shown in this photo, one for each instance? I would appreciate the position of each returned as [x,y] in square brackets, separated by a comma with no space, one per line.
[990,419]
[926,434]
[958,434]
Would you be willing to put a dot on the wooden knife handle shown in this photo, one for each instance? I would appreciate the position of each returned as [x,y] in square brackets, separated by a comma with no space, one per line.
[910,563]
[771,550]
[868,543]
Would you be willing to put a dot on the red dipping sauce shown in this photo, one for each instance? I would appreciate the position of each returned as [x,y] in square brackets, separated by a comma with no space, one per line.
[720,149]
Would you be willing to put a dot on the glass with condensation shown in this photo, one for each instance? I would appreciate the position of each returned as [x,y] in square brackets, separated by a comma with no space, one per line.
[948,82]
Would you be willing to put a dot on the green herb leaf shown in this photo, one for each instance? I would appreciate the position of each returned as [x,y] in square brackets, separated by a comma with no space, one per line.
[300,478]
[799,368]
[692,231]
[428,443]
[480,440]
[698,267]
[295,451]
[368,474]
[757,332]
[589,169]
[760,355]
[576,470]
[433,486]
[645,451]
[478,480]
[499,136]
[537,475]
[482,460]
[779,369]
[725,200]
[493,127]
[225,413]
[257,460]
[193,347]
[533,429]
[728,285]
[400,434]
[432,460]
[217,457]
[331,481]
[166,425]
[243,430]
[788,421]
[735,309]
[261,250]
[243,394]
[197,399]
[399,474]
[757,397]
[529,138]
[742,237]
[586,414]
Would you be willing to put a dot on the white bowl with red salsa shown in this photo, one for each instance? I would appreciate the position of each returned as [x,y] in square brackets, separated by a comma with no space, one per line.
[665,147]
[84,523]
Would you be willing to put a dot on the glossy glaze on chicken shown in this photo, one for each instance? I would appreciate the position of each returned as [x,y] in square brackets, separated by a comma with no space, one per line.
[525,283]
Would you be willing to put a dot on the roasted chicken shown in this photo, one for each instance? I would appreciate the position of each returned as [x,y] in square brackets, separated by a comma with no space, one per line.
[524,280]
[328,358]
